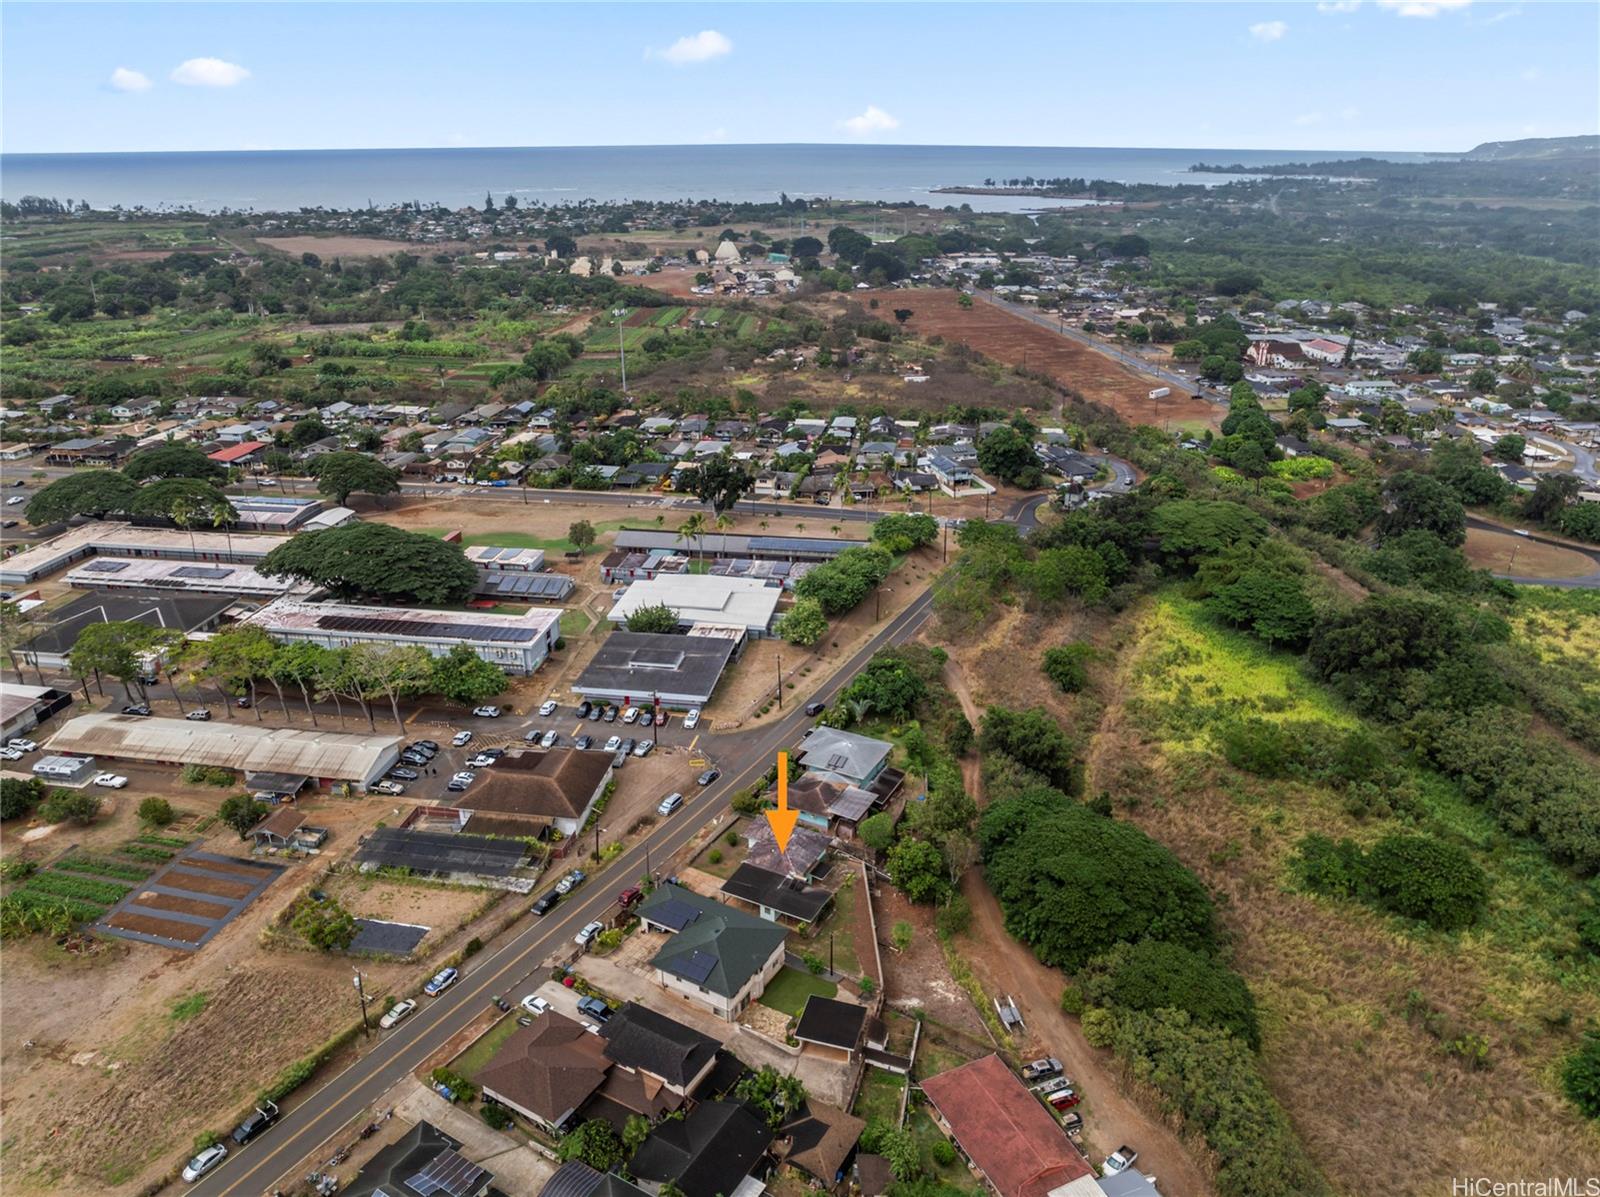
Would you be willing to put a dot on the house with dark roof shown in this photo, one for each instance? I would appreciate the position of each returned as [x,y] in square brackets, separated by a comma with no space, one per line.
[777,897]
[547,1071]
[712,1151]
[801,857]
[1007,1133]
[715,956]
[830,1028]
[423,1162]
[557,788]
[820,1141]
[576,1179]
[640,1040]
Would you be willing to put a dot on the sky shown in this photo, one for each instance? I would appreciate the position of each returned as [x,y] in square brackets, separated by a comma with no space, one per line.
[1390,75]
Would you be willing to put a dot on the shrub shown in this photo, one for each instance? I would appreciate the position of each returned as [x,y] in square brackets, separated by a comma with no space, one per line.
[1325,866]
[62,805]
[1257,746]
[464,1089]
[1067,666]
[473,947]
[954,917]
[242,812]
[1580,1076]
[731,839]
[156,812]
[1426,879]
[815,964]
[901,935]
[1151,975]
[715,856]
[495,1114]
[944,1153]
[206,775]
[877,831]
[19,795]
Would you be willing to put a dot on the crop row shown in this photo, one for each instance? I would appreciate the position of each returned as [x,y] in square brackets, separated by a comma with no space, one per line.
[104,866]
[65,885]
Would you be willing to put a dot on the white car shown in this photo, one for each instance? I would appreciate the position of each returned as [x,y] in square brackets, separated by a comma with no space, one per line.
[548,707]
[461,739]
[481,761]
[614,743]
[441,981]
[550,738]
[629,715]
[669,804]
[10,754]
[486,712]
[21,745]
[585,937]
[396,1012]
[692,719]
[1119,1160]
[15,499]
[110,781]
[204,1162]
[534,1004]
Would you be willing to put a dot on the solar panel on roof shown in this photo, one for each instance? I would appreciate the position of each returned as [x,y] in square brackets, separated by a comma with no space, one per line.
[423,628]
[201,571]
[451,1174]
[674,913]
[437,852]
[837,759]
[696,966]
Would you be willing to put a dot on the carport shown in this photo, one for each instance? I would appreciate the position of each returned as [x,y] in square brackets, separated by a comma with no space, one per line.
[278,787]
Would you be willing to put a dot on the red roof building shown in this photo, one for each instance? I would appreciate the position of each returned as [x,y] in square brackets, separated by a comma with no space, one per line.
[1007,1132]
[243,451]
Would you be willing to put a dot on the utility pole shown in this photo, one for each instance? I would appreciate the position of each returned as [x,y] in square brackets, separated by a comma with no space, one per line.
[361,993]
[947,542]
[597,843]
[780,681]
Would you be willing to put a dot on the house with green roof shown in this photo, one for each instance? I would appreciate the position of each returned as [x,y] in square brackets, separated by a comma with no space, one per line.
[715,956]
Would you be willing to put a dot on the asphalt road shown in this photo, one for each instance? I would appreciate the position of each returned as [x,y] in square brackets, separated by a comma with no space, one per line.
[1587,582]
[515,966]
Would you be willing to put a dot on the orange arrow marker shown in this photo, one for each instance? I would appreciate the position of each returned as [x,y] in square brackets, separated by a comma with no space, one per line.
[783,819]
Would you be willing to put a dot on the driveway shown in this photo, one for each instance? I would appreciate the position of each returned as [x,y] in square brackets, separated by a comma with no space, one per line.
[517,1167]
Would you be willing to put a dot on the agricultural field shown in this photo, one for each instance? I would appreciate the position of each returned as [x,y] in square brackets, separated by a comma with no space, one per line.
[54,243]
[1367,1019]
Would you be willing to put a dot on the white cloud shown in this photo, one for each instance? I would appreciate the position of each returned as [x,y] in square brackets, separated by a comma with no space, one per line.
[1268,31]
[872,120]
[1422,8]
[209,72]
[128,79]
[1338,6]
[697,47]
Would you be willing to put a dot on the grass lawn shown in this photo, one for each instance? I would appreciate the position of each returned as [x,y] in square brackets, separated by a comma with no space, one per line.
[472,1061]
[927,1134]
[840,924]
[575,621]
[880,1095]
[788,991]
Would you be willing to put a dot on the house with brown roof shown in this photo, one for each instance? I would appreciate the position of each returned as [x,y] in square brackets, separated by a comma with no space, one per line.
[1007,1133]
[556,789]
[546,1072]
[820,1141]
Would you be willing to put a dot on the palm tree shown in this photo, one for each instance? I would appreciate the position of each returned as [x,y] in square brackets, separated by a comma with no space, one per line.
[694,526]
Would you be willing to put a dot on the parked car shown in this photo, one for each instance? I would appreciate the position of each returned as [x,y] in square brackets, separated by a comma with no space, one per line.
[571,881]
[401,773]
[199,715]
[501,1004]
[534,1004]
[646,717]
[547,708]
[614,743]
[644,748]
[460,781]
[692,719]
[583,742]
[551,739]
[414,759]
[486,712]
[585,937]
[619,759]
[112,781]
[392,788]
[136,708]
[461,739]
[533,734]
[205,1162]
[242,703]
[15,499]
[545,904]
[584,708]
[669,804]
[482,761]
[628,745]
[10,754]
[21,744]
[611,715]
[396,1012]
[596,714]
[1119,1160]
[1038,1070]
[594,1008]
[429,746]
[255,1122]
[630,714]
[709,776]
[441,981]
[816,708]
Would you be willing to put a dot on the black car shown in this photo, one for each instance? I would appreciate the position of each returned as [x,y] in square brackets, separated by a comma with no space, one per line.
[619,760]
[709,776]
[413,758]
[584,708]
[425,748]
[138,708]
[259,1119]
[401,773]
[629,745]
[582,742]
[610,715]
[816,708]
[597,714]
[546,903]
[430,746]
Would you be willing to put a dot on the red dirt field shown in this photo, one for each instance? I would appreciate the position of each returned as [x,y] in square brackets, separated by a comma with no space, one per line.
[678,281]
[166,928]
[1010,339]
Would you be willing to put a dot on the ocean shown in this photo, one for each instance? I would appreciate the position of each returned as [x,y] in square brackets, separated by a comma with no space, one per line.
[278,180]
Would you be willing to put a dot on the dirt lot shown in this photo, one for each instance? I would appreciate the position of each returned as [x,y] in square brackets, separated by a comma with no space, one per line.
[445,909]
[1507,553]
[675,281]
[344,247]
[1014,341]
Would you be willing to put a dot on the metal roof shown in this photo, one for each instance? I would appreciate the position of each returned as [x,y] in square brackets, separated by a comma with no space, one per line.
[439,852]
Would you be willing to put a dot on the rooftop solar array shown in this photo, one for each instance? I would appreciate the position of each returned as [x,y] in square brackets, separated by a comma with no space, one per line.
[451,1175]
[695,967]
[674,913]
[424,628]
[441,852]
[201,571]
[541,586]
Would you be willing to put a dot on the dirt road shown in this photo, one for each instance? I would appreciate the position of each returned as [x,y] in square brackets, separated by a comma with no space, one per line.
[1005,965]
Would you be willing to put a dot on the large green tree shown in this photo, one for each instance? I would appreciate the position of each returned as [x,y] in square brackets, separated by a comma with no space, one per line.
[658,618]
[1413,500]
[174,459]
[1006,454]
[463,676]
[1154,975]
[188,502]
[340,475]
[721,481]
[376,561]
[87,492]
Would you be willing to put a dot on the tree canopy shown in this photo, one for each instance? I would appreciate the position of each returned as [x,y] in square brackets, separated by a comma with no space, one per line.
[340,475]
[720,481]
[376,561]
[86,492]
[1008,455]
[175,459]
